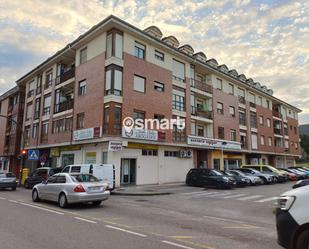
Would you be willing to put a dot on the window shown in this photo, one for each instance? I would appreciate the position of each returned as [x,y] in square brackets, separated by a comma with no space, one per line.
[82,88]
[171,153]
[37,107]
[268,122]
[286,144]
[117,119]
[179,135]
[80,120]
[68,124]
[219,108]
[31,89]
[267,104]
[178,99]
[60,179]
[253,120]
[139,50]
[113,80]
[149,152]
[47,103]
[104,157]
[139,115]
[75,169]
[219,84]
[49,79]
[221,132]
[159,56]
[252,98]
[29,111]
[200,130]
[112,119]
[232,111]
[44,131]
[114,44]
[270,141]
[231,89]
[254,141]
[58,126]
[296,145]
[178,70]
[261,120]
[260,101]
[295,130]
[242,116]
[262,140]
[139,84]
[83,55]
[35,128]
[159,86]
[233,135]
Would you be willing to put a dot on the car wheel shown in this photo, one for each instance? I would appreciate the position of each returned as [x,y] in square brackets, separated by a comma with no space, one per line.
[62,201]
[263,181]
[13,188]
[35,196]
[303,240]
[96,203]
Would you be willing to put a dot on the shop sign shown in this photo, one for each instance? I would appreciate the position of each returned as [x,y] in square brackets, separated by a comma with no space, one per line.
[71,148]
[91,157]
[142,146]
[213,143]
[140,134]
[88,133]
[55,152]
[115,145]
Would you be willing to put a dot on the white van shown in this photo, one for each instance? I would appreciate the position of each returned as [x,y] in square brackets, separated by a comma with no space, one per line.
[292,217]
[104,172]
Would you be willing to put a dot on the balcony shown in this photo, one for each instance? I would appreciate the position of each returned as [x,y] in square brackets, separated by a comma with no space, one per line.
[253,105]
[242,99]
[198,111]
[178,78]
[278,131]
[277,114]
[64,106]
[30,93]
[65,76]
[201,86]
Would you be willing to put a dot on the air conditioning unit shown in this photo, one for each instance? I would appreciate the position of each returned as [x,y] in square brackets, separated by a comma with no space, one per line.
[185,153]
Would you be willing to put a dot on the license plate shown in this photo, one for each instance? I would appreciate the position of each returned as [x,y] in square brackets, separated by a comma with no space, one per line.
[95,188]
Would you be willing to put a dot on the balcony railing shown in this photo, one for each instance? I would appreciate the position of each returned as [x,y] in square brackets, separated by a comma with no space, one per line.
[253,105]
[65,76]
[278,131]
[277,114]
[178,78]
[30,93]
[38,90]
[197,111]
[64,106]
[46,110]
[242,99]
[201,86]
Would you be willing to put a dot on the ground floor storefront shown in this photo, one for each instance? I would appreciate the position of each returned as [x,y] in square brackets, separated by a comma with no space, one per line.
[10,164]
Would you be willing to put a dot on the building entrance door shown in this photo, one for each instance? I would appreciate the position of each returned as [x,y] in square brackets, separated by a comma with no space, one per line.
[128,171]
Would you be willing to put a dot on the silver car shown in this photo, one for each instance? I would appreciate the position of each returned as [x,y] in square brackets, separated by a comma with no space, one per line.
[67,188]
[7,180]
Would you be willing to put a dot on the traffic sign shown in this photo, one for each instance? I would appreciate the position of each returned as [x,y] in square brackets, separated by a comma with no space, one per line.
[33,154]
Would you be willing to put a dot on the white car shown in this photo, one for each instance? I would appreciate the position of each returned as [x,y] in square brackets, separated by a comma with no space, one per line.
[292,217]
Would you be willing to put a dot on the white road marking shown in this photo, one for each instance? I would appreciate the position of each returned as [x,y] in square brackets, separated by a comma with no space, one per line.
[207,193]
[13,201]
[82,219]
[221,194]
[250,197]
[2,198]
[189,193]
[41,208]
[176,244]
[224,219]
[126,231]
[232,196]
[267,199]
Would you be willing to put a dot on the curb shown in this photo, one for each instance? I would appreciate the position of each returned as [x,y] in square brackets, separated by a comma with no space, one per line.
[140,194]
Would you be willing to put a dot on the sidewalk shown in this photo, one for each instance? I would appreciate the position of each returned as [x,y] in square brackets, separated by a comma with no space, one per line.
[147,190]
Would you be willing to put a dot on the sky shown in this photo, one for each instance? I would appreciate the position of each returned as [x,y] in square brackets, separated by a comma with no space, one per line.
[267,40]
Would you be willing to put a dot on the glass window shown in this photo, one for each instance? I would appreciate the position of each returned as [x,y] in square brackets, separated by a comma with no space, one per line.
[80,120]
[114,44]
[231,89]
[261,120]
[84,178]
[29,111]
[253,122]
[75,169]
[221,132]
[68,124]
[60,179]
[254,141]
[220,108]
[35,130]
[159,86]
[83,55]
[139,50]
[219,84]
[233,135]
[45,128]
[82,88]
[178,70]
[52,179]
[113,80]
[47,103]
[270,141]
[178,100]
[232,111]
[262,140]
[139,84]
[66,169]
[268,122]
[159,55]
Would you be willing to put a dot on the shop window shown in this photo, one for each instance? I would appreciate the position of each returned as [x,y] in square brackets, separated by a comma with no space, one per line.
[146,152]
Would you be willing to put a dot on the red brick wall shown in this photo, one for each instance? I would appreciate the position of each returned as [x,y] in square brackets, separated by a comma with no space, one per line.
[264,130]
[293,137]
[3,122]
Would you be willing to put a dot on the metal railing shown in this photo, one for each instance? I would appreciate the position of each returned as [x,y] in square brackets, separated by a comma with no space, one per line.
[64,106]
[65,76]
[201,86]
[278,131]
[277,114]
[197,111]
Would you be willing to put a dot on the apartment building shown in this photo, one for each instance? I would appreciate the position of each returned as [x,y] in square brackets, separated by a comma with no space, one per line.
[11,119]
[77,99]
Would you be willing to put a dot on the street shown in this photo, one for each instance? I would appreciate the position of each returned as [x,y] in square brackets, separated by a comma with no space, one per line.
[188,218]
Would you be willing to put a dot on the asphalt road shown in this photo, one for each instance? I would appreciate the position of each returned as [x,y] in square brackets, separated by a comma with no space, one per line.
[189,218]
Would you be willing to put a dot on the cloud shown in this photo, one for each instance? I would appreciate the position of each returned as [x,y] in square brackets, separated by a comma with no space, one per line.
[268,41]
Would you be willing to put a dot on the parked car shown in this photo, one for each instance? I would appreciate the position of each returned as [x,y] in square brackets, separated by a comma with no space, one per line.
[67,188]
[301,183]
[241,181]
[39,175]
[292,175]
[7,180]
[302,175]
[253,180]
[303,170]
[209,178]
[104,172]
[292,219]
[270,170]
[266,178]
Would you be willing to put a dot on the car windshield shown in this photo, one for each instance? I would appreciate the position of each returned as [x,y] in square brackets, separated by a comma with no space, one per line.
[229,173]
[215,172]
[84,178]
[240,173]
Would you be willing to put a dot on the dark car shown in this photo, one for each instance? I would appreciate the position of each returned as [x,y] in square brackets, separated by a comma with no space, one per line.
[209,178]
[301,183]
[266,178]
[40,175]
[241,181]
[7,180]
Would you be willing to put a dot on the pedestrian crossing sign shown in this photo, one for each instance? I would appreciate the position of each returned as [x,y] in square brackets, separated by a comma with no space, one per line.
[33,154]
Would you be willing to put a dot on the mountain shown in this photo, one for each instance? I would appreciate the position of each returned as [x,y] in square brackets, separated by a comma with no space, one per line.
[304,129]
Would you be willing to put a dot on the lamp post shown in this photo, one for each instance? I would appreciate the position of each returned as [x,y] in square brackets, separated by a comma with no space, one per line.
[222,154]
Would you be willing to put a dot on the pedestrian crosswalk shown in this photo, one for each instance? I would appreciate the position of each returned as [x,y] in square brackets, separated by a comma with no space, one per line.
[229,195]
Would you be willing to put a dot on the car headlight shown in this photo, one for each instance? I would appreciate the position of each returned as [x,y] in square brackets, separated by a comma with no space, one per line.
[286,202]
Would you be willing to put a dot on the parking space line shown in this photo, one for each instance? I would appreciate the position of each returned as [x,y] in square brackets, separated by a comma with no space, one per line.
[221,194]
[2,198]
[13,201]
[224,219]
[232,196]
[204,194]
[82,219]
[267,199]
[41,208]
[176,244]
[126,231]
[250,197]
[189,193]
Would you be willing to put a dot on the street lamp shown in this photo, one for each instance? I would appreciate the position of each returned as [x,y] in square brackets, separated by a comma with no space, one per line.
[222,156]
